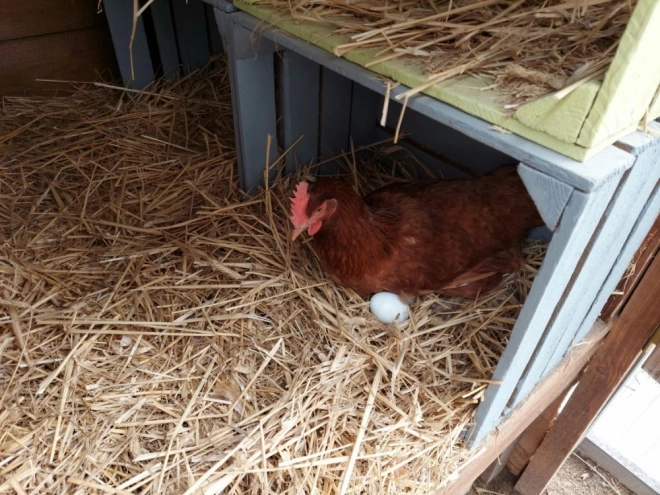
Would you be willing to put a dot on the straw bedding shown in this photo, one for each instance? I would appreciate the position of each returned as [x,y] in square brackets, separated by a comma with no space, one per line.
[525,48]
[160,334]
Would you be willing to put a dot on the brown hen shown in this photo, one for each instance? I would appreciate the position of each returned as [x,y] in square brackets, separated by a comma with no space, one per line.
[452,237]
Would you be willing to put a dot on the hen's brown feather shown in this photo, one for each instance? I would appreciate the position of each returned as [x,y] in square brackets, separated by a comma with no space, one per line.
[454,237]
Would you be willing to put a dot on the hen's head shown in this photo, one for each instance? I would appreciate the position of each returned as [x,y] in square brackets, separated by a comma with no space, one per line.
[311,205]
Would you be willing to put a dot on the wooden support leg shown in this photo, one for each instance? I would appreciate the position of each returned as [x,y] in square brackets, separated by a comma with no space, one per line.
[300,108]
[252,74]
[191,36]
[530,440]
[524,414]
[637,323]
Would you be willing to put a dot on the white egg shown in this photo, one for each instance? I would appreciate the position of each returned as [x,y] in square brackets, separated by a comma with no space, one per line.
[385,306]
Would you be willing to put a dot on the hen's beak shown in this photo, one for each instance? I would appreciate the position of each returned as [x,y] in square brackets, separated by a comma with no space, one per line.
[296,232]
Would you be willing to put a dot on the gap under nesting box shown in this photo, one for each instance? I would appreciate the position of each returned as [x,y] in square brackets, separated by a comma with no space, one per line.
[161,332]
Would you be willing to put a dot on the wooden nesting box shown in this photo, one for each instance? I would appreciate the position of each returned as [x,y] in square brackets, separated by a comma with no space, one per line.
[599,209]
[590,118]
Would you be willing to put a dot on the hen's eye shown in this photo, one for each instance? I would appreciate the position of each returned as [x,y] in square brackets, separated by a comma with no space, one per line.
[318,210]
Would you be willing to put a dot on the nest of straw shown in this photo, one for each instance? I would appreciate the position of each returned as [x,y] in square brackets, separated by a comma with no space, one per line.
[525,49]
[160,334]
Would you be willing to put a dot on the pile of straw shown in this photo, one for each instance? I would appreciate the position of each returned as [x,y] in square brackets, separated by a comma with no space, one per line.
[525,48]
[160,334]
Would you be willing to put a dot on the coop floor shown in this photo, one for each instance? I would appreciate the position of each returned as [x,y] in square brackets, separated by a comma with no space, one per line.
[160,333]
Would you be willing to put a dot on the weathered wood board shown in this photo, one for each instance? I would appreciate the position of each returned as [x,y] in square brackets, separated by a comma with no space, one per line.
[557,124]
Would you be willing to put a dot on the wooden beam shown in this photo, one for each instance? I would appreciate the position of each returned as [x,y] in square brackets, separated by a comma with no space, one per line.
[73,56]
[524,414]
[629,281]
[637,323]
[530,440]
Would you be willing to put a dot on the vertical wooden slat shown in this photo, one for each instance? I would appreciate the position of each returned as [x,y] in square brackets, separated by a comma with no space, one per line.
[335,110]
[191,34]
[366,107]
[300,108]
[165,38]
[215,40]
[600,257]
[253,99]
[621,348]
[579,222]
[120,19]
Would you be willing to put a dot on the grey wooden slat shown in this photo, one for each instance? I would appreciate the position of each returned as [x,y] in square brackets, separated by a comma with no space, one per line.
[336,91]
[300,97]
[550,195]
[253,101]
[191,36]
[641,228]
[215,40]
[166,38]
[579,222]
[222,5]
[366,106]
[120,20]
[619,219]
[585,176]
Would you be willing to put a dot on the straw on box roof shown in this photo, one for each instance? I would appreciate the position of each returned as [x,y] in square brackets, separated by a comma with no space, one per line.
[160,334]
[525,49]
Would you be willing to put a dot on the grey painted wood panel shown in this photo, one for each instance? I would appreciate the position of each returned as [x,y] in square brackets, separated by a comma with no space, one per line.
[215,40]
[585,176]
[120,16]
[335,120]
[641,228]
[579,222]
[166,38]
[192,38]
[549,195]
[608,241]
[300,96]
[253,101]
[365,108]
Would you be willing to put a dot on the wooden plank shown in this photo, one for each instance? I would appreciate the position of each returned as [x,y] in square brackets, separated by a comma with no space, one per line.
[365,107]
[300,97]
[253,102]
[579,221]
[336,93]
[191,35]
[75,55]
[533,436]
[498,465]
[631,80]
[215,40]
[165,38]
[596,264]
[618,466]
[652,364]
[38,17]
[642,226]
[550,195]
[141,72]
[585,176]
[623,345]
[524,414]
[628,282]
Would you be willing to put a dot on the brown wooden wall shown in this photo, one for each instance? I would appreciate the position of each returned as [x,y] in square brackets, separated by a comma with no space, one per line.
[52,39]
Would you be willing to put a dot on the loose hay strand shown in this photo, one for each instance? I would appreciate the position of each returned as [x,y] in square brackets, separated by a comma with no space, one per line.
[161,334]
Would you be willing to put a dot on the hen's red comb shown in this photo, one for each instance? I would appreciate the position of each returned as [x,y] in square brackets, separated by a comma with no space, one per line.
[299,205]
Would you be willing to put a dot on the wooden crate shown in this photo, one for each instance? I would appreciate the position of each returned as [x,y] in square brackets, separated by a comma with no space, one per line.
[591,118]
[599,210]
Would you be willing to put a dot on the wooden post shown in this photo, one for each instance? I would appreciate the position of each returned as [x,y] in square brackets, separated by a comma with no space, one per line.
[530,440]
[637,323]
[522,415]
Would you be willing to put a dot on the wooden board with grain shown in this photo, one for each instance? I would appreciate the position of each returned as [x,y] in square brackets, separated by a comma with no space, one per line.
[38,17]
[75,55]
